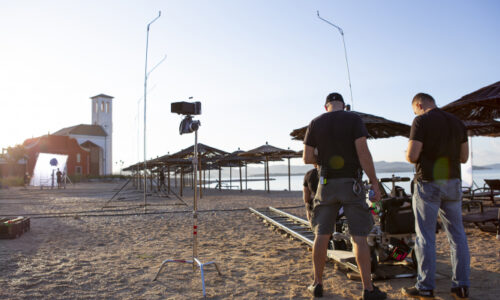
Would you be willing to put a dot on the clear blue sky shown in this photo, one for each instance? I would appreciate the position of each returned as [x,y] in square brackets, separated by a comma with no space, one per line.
[260,68]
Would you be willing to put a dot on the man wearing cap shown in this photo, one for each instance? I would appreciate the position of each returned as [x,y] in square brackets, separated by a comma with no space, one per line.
[438,144]
[340,139]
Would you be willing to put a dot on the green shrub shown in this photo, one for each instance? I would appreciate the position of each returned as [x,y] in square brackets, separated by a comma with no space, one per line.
[12,181]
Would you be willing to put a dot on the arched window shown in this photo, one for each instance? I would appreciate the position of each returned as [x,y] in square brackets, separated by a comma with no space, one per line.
[102,106]
[78,157]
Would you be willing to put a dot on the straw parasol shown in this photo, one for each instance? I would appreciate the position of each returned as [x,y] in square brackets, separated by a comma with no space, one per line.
[377,127]
[206,155]
[477,128]
[235,160]
[481,105]
[269,153]
[288,156]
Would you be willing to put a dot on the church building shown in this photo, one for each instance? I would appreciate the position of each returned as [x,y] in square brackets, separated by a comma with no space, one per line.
[95,141]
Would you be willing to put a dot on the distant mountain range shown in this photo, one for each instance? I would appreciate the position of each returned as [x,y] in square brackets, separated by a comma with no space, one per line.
[380,166]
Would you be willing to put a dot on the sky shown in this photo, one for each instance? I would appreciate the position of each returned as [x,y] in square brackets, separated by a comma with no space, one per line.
[260,68]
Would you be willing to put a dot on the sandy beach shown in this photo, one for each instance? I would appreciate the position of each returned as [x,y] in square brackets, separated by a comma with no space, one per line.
[77,250]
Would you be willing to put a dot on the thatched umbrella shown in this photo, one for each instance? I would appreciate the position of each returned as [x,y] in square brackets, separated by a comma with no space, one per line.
[205,154]
[377,127]
[269,153]
[288,156]
[478,110]
[477,128]
[481,105]
[235,160]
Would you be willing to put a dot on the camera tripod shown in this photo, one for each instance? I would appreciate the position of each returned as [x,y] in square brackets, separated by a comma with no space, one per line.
[195,262]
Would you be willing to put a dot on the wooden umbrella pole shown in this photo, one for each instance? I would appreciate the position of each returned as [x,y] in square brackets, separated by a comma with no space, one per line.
[246,177]
[241,183]
[289,184]
[182,180]
[265,177]
[168,174]
[268,185]
[220,183]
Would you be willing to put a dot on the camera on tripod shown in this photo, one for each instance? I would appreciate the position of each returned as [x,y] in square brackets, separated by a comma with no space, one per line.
[188,109]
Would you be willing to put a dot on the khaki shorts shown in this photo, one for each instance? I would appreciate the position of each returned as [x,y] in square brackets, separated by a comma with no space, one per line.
[336,193]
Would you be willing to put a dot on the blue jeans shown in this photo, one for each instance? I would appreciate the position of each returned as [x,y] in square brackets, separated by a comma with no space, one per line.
[443,197]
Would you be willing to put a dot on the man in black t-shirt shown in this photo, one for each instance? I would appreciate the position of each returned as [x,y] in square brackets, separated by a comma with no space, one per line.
[340,139]
[437,146]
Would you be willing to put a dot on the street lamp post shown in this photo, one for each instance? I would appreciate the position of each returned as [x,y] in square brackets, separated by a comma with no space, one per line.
[145,91]
[345,53]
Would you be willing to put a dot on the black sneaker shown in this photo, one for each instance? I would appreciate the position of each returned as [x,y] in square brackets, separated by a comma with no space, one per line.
[419,294]
[461,292]
[316,289]
[376,294]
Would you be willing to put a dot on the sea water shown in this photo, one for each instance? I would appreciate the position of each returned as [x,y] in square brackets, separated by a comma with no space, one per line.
[280,183]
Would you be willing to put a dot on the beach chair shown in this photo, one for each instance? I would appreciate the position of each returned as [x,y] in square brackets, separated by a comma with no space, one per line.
[468,200]
[486,220]
[487,193]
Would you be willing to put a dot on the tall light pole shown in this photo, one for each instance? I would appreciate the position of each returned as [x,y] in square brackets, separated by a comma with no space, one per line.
[145,92]
[345,52]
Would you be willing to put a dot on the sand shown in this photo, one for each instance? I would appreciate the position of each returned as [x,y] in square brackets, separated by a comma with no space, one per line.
[117,256]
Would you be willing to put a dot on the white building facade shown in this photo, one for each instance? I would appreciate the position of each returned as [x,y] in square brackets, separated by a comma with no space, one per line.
[97,137]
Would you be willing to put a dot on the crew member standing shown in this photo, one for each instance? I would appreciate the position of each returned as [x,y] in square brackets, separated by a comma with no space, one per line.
[309,189]
[340,139]
[162,179]
[59,178]
[437,146]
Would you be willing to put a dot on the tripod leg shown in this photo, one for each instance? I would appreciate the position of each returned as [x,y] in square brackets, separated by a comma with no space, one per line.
[161,267]
[202,280]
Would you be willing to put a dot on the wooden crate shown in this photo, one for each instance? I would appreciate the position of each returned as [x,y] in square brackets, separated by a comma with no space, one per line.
[11,228]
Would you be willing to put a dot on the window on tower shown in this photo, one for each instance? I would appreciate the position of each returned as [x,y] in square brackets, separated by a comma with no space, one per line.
[107,107]
[102,106]
[96,107]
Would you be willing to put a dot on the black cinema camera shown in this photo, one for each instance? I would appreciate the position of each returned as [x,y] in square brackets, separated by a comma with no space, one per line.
[188,109]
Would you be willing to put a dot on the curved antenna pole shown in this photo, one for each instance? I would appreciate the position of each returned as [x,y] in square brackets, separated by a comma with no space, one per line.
[145,92]
[159,63]
[345,53]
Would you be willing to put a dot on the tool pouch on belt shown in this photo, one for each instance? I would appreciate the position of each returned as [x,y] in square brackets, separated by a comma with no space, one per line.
[323,174]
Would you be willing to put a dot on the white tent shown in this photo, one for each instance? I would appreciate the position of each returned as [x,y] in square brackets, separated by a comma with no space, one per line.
[46,167]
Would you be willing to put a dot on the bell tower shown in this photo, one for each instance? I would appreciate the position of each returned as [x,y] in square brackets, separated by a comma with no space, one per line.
[102,114]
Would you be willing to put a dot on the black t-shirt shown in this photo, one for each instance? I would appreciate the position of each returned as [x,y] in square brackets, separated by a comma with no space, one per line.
[311,180]
[442,135]
[333,134]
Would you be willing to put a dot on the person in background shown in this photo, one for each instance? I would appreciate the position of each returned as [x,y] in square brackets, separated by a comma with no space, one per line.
[26,179]
[309,188]
[59,178]
[438,144]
